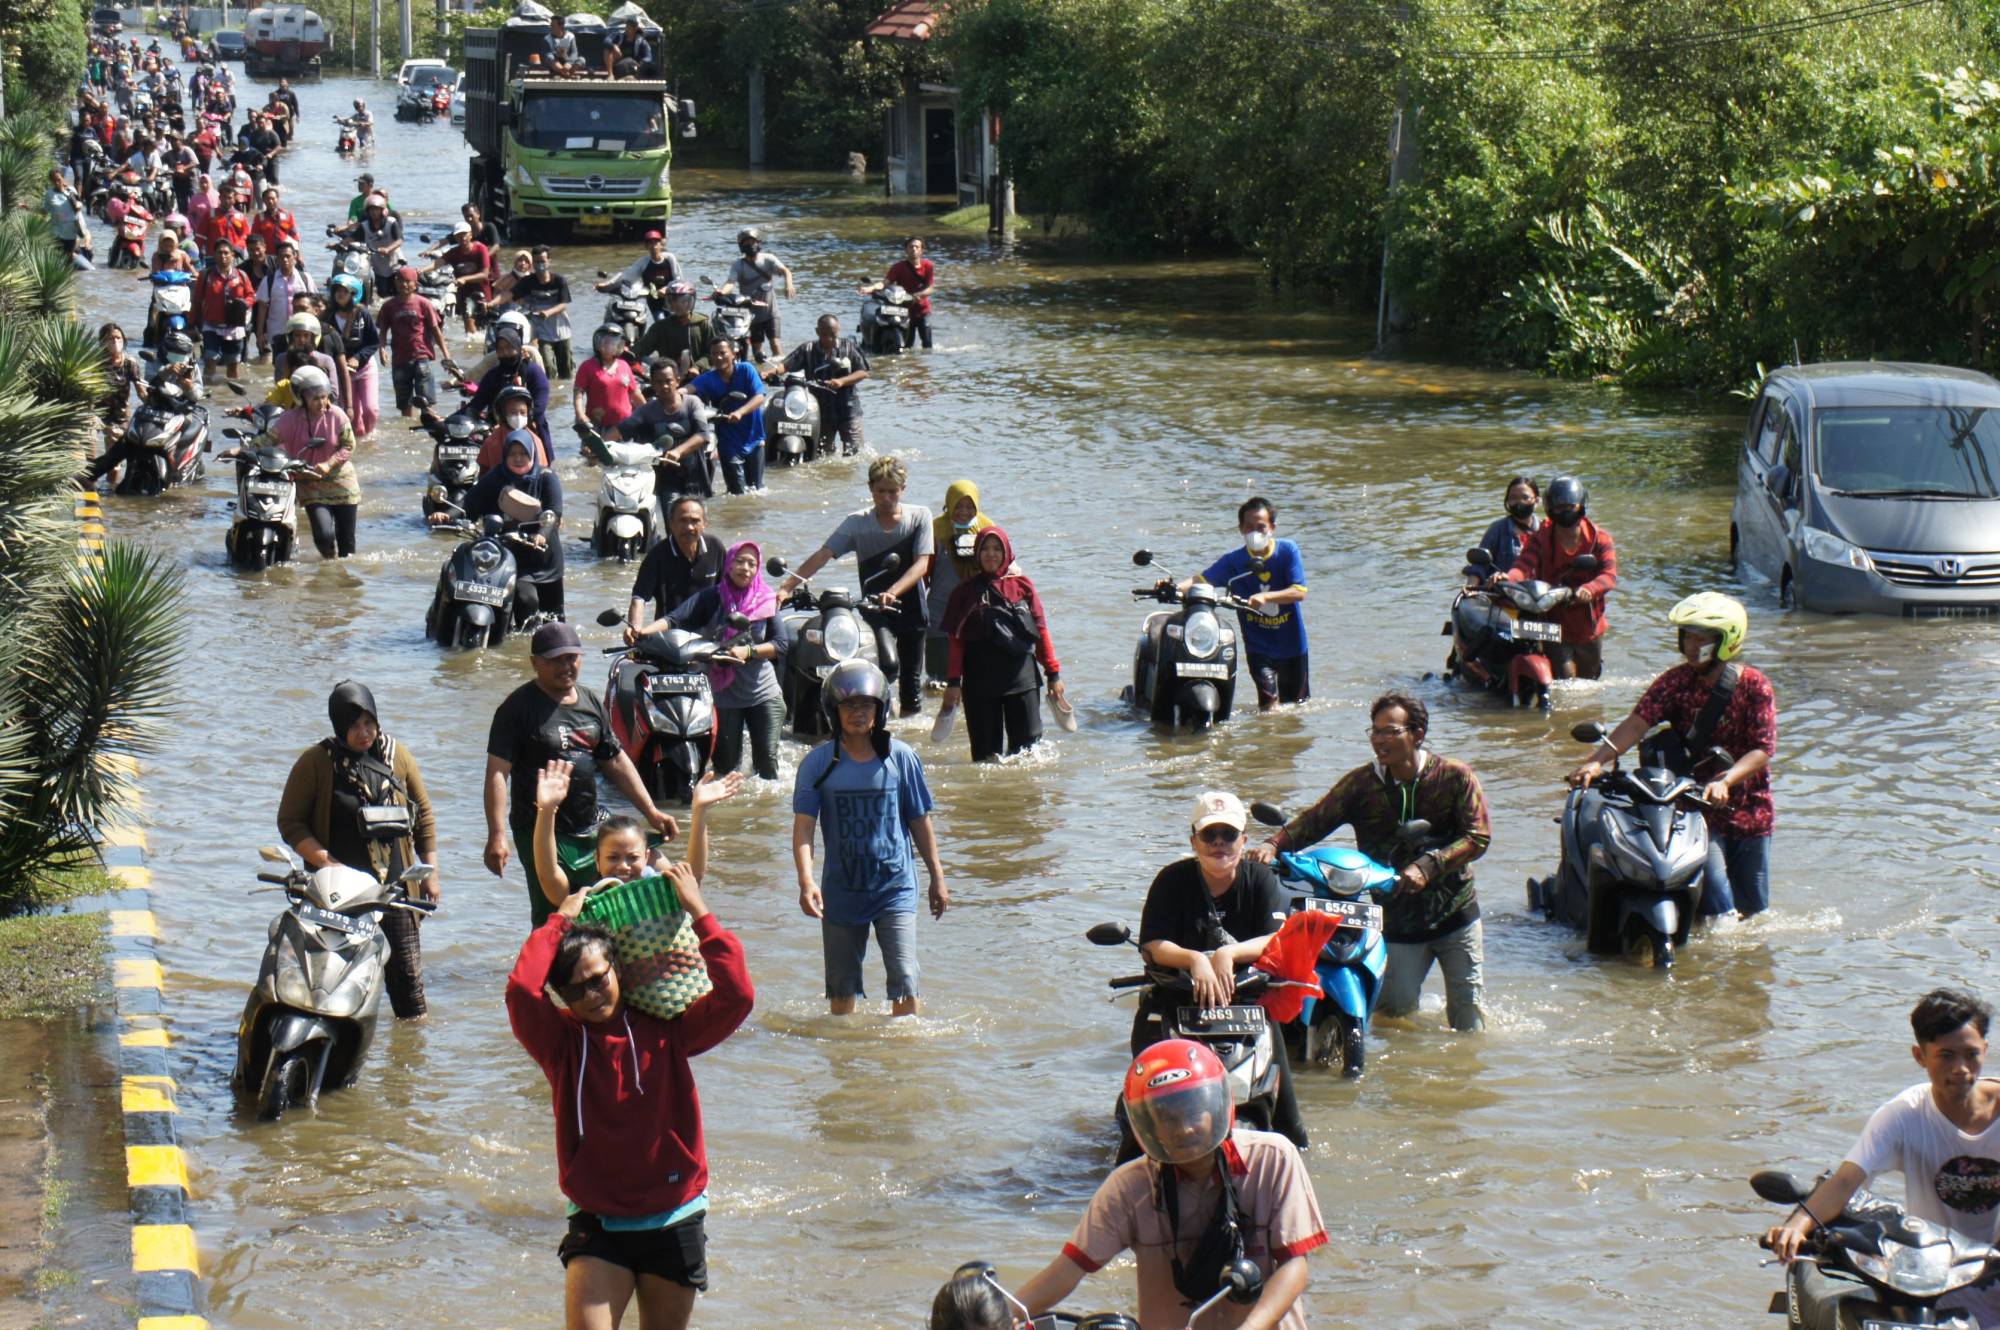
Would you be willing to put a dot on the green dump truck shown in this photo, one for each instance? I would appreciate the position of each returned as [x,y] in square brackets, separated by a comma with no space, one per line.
[561,157]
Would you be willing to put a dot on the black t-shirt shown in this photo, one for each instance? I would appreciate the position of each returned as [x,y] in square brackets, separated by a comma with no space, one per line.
[667,578]
[1178,901]
[532,729]
[535,293]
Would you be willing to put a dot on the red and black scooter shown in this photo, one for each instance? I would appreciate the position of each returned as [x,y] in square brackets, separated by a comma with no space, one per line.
[662,706]
[1501,635]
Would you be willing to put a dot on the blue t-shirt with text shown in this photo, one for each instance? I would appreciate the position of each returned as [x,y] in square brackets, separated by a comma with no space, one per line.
[1280,635]
[734,438]
[864,811]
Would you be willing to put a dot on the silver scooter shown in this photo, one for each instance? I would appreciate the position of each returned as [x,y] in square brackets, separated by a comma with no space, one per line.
[311,1015]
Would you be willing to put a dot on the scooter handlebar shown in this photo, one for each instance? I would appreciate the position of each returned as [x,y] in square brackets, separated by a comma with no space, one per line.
[275,879]
[1128,981]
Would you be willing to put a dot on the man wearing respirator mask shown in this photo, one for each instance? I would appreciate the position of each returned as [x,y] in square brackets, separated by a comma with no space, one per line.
[1725,730]
[1270,574]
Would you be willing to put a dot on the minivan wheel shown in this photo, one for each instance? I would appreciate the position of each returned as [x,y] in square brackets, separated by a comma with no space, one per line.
[1733,566]
[1787,597]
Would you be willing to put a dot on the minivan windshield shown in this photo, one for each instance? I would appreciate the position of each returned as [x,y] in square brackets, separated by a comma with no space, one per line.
[614,124]
[1941,452]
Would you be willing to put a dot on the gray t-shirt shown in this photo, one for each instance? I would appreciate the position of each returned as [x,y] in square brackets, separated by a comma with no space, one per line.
[649,423]
[862,536]
[753,277]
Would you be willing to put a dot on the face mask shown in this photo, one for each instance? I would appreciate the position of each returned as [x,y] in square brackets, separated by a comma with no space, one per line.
[1567,518]
[517,422]
[961,526]
[1523,513]
[1704,655]
[1257,542]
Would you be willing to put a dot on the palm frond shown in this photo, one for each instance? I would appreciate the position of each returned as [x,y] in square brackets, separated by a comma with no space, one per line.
[66,364]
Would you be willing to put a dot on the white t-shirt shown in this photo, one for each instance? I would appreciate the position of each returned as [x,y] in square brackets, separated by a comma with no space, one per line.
[1949,1177]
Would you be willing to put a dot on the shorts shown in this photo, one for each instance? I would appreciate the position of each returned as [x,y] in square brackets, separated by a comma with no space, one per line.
[678,1253]
[1286,679]
[846,945]
[223,350]
[416,384]
[767,324]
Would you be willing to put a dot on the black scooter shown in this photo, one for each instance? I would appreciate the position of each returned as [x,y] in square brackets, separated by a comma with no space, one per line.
[1874,1267]
[826,629]
[663,707]
[1633,849]
[1184,668]
[454,460]
[477,602]
[164,439]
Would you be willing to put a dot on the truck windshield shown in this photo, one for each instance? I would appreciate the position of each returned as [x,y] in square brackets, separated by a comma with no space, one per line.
[1948,452]
[553,122]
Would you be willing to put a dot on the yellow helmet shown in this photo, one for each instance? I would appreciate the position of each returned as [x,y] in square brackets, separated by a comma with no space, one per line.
[1713,612]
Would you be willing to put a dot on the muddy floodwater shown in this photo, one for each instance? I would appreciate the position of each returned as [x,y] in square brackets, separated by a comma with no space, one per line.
[1581,1163]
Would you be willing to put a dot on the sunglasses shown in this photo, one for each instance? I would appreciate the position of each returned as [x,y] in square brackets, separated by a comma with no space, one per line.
[1219,835]
[574,993]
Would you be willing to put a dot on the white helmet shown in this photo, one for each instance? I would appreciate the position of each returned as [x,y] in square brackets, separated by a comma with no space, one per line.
[302,322]
[513,326]
[309,379]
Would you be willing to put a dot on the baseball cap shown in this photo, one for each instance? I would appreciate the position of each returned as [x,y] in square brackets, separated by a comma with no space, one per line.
[407,271]
[462,229]
[1217,808]
[555,639]
[656,235]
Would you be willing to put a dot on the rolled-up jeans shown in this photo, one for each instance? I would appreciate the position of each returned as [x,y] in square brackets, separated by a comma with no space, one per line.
[1738,876]
[1461,954]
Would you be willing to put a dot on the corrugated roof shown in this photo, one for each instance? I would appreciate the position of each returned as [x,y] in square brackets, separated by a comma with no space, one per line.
[906,21]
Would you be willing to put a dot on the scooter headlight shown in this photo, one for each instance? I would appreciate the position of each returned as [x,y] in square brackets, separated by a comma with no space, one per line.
[842,637]
[485,557]
[1202,634]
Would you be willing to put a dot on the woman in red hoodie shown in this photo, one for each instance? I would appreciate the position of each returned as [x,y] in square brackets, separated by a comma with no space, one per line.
[628,1123]
[1547,555]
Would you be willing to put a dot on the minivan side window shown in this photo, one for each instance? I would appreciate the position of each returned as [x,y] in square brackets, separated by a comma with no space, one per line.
[1788,457]
[1766,444]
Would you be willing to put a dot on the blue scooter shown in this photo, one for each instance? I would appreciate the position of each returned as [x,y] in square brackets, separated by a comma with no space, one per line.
[1343,882]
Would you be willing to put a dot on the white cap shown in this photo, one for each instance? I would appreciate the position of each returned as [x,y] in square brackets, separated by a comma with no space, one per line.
[1219,808]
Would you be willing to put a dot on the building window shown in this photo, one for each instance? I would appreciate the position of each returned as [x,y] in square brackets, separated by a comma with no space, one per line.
[897,147]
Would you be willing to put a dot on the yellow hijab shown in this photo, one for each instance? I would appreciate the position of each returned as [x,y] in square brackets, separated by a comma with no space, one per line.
[944,533]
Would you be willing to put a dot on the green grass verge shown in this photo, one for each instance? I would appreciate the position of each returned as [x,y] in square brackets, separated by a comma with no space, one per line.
[50,964]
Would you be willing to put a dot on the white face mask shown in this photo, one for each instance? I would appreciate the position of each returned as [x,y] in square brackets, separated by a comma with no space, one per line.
[516,421]
[1257,542]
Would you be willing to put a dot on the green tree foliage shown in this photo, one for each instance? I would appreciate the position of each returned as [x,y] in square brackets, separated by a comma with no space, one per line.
[42,47]
[87,654]
[1584,199]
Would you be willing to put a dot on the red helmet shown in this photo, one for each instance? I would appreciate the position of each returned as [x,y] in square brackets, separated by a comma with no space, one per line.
[1178,1103]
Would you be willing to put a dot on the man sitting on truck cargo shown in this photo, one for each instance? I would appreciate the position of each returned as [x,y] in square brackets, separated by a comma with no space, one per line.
[633,46]
[559,50]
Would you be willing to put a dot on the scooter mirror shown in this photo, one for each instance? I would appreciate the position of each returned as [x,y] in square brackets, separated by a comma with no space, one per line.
[774,566]
[739,621]
[271,855]
[1243,1280]
[1481,557]
[1587,732]
[1413,831]
[1109,935]
[1778,1188]
[1141,558]
[416,873]
[602,273]
[1584,565]
[610,619]
[236,387]
[976,1270]
[1268,814]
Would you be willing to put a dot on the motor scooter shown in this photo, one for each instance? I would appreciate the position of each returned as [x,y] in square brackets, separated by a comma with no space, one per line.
[734,313]
[169,311]
[164,438]
[630,307]
[826,628]
[311,1016]
[454,461]
[1874,1266]
[1240,1035]
[663,706]
[795,427]
[264,522]
[1348,885]
[129,249]
[885,319]
[629,521]
[1501,635]
[1184,668]
[441,289]
[1634,846]
[346,141]
[477,602]
[1240,1282]
[350,258]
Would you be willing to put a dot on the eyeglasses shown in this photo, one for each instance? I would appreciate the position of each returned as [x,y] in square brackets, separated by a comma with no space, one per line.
[573,993]
[1223,835]
[1388,731]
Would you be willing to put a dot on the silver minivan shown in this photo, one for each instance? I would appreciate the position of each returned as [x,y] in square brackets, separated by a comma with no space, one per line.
[1873,487]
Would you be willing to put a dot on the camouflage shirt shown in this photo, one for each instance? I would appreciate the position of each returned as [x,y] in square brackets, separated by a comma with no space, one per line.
[1447,795]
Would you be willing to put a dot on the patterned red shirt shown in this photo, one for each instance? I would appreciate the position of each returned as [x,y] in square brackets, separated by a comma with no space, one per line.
[1749,721]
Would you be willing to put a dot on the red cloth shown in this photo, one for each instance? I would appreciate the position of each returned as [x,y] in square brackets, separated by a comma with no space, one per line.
[914,278]
[1543,558]
[230,228]
[1749,721]
[628,1121]
[275,227]
[1010,588]
[214,292]
[1293,953]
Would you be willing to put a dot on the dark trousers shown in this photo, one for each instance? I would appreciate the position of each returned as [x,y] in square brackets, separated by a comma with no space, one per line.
[559,353]
[687,476]
[332,528]
[763,720]
[746,473]
[909,640]
[538,598]
[920,325]
[404,977]
[1015,718]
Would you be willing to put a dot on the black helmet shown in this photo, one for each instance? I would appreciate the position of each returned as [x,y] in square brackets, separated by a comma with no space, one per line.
[1564,491]
[749,235]
[177,344]
[850,679]
[513,392]
[348,701]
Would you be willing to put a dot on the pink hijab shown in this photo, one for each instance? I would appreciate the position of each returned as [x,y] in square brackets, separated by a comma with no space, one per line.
[756,601]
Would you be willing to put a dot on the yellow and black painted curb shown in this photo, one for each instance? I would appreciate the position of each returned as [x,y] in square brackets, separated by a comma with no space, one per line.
[164,1260]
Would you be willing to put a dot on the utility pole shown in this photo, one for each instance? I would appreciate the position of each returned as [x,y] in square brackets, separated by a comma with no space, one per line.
[444,31]
[1391,316]
[375,38]
[403,17]
[757,110]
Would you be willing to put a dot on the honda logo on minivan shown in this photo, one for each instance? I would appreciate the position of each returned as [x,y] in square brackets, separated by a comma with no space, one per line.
[1949,569]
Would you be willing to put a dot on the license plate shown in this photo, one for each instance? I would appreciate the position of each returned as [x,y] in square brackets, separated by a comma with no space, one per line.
[792,427]
[1890,1325]
[592,222]
[346,923]
[1352,914]
[457,452]
[1537,630]
[270,487]
[1211,670]
[1237,1022]
[678,686]
[478,593]
[1950,612]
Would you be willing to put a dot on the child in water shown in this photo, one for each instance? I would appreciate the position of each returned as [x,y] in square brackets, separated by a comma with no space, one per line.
[621,840]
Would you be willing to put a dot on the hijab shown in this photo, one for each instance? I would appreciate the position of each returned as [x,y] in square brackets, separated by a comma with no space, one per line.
[754,602]
[944,532]
[1008,587]
[537,480]
[368,776]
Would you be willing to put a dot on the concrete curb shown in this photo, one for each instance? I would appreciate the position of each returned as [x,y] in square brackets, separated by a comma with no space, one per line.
[164,1259]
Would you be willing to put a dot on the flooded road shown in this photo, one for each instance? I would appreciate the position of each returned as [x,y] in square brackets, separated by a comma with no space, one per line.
[1581,1163]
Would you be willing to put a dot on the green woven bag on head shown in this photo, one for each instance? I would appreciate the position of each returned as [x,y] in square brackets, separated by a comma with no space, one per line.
[660,967]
